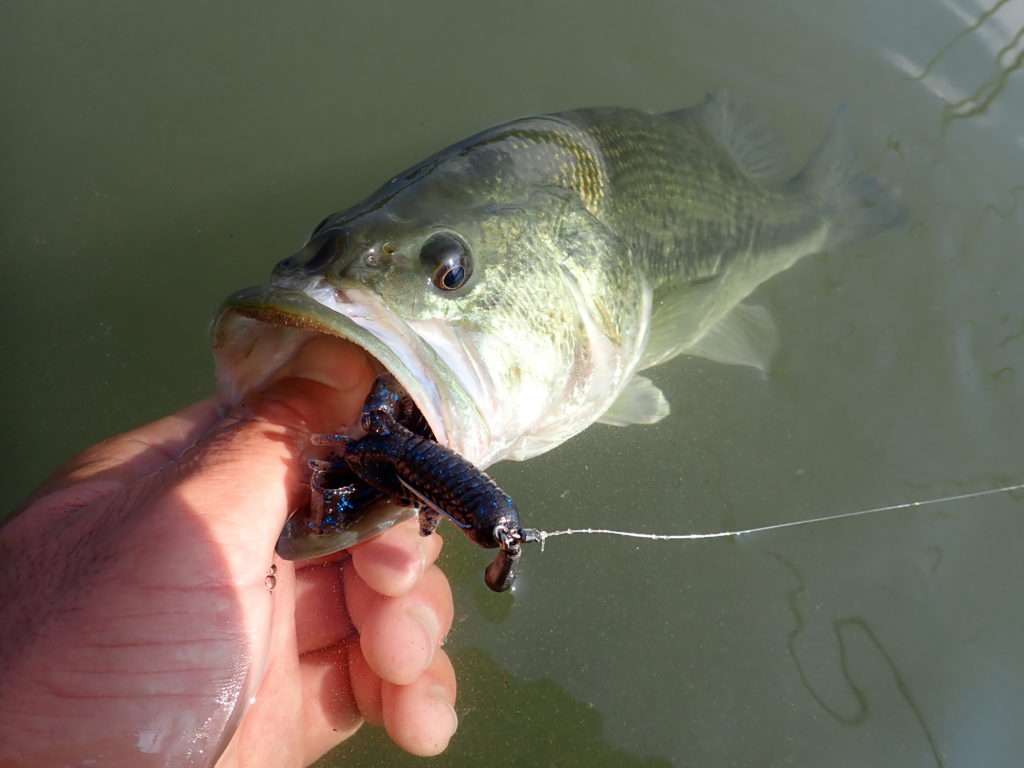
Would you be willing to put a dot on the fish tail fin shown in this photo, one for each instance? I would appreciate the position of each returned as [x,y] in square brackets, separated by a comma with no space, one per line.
[855,204]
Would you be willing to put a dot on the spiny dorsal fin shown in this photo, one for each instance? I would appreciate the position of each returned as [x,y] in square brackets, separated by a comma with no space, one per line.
[755,147]
[639,403]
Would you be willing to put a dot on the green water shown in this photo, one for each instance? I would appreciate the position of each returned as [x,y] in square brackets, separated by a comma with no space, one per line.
[155,158]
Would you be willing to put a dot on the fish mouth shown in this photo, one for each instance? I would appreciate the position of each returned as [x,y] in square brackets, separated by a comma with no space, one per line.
[259,329]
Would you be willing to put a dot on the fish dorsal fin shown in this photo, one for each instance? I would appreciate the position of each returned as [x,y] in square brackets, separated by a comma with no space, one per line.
[756,149]
[639,403]
[745,336]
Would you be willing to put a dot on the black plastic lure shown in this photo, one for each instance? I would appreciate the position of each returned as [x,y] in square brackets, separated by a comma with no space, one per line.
[398,460]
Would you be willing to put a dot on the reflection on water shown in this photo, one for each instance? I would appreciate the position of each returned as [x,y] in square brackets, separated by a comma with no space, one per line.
[546,726]
[841,629]
[1001,29]
[968,30]
[979,102]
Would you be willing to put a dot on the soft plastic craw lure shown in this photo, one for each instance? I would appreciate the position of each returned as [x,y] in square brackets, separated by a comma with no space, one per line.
[398,460]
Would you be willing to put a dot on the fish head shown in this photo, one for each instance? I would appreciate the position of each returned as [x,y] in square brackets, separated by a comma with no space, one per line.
[460,296]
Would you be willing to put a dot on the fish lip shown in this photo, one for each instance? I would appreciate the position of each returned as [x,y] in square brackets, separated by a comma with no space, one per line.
[320,307]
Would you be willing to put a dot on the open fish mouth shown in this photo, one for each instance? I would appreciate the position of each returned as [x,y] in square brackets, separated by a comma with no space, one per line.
[259,329]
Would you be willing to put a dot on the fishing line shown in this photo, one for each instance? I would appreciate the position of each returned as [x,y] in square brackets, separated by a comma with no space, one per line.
[545,535]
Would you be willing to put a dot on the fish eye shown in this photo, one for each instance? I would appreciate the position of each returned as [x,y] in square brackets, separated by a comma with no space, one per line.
[448,259]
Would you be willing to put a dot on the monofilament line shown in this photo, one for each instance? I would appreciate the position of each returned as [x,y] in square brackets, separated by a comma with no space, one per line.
[545,535]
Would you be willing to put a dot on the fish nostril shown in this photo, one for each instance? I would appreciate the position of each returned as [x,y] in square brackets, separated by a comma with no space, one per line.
[323,253]
[316,255]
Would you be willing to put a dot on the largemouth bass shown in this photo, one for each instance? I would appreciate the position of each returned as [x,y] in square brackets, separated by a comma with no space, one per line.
[517,284]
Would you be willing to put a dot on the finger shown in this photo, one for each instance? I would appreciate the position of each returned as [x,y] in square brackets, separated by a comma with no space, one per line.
[245,476]
[365,686]
[344,373]
[393,562]
[321,619]
[420,717]
[399,636]
[329,712]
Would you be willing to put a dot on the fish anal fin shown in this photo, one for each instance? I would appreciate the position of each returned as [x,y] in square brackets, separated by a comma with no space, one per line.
[745,336]
[677,319]
[641,402]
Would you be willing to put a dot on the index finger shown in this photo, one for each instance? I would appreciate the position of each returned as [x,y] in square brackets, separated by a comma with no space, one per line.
[393,562]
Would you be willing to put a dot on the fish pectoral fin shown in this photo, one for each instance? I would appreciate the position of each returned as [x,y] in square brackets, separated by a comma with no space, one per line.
[745,336]
[639,403]
[754,147]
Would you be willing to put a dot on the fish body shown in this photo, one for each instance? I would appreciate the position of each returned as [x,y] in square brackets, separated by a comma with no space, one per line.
[517,283]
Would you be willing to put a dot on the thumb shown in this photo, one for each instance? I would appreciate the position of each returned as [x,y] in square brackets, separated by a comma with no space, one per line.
[247,473]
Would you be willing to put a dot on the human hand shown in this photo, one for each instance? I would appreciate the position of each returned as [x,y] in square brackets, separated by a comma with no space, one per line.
[137,626]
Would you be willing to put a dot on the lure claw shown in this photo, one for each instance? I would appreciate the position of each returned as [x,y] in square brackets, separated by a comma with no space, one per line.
[500,575]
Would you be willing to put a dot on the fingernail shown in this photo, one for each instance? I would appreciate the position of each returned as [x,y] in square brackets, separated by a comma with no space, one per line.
[421,548]
[427,621]
[440,694]
[411,563]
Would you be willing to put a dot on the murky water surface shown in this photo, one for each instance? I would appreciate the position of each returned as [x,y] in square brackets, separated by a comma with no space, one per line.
[155,159]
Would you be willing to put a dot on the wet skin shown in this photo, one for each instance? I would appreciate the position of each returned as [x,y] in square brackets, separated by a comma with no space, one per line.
[138,622]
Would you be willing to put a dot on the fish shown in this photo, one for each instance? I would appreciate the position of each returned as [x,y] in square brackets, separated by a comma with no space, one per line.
[519,283]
